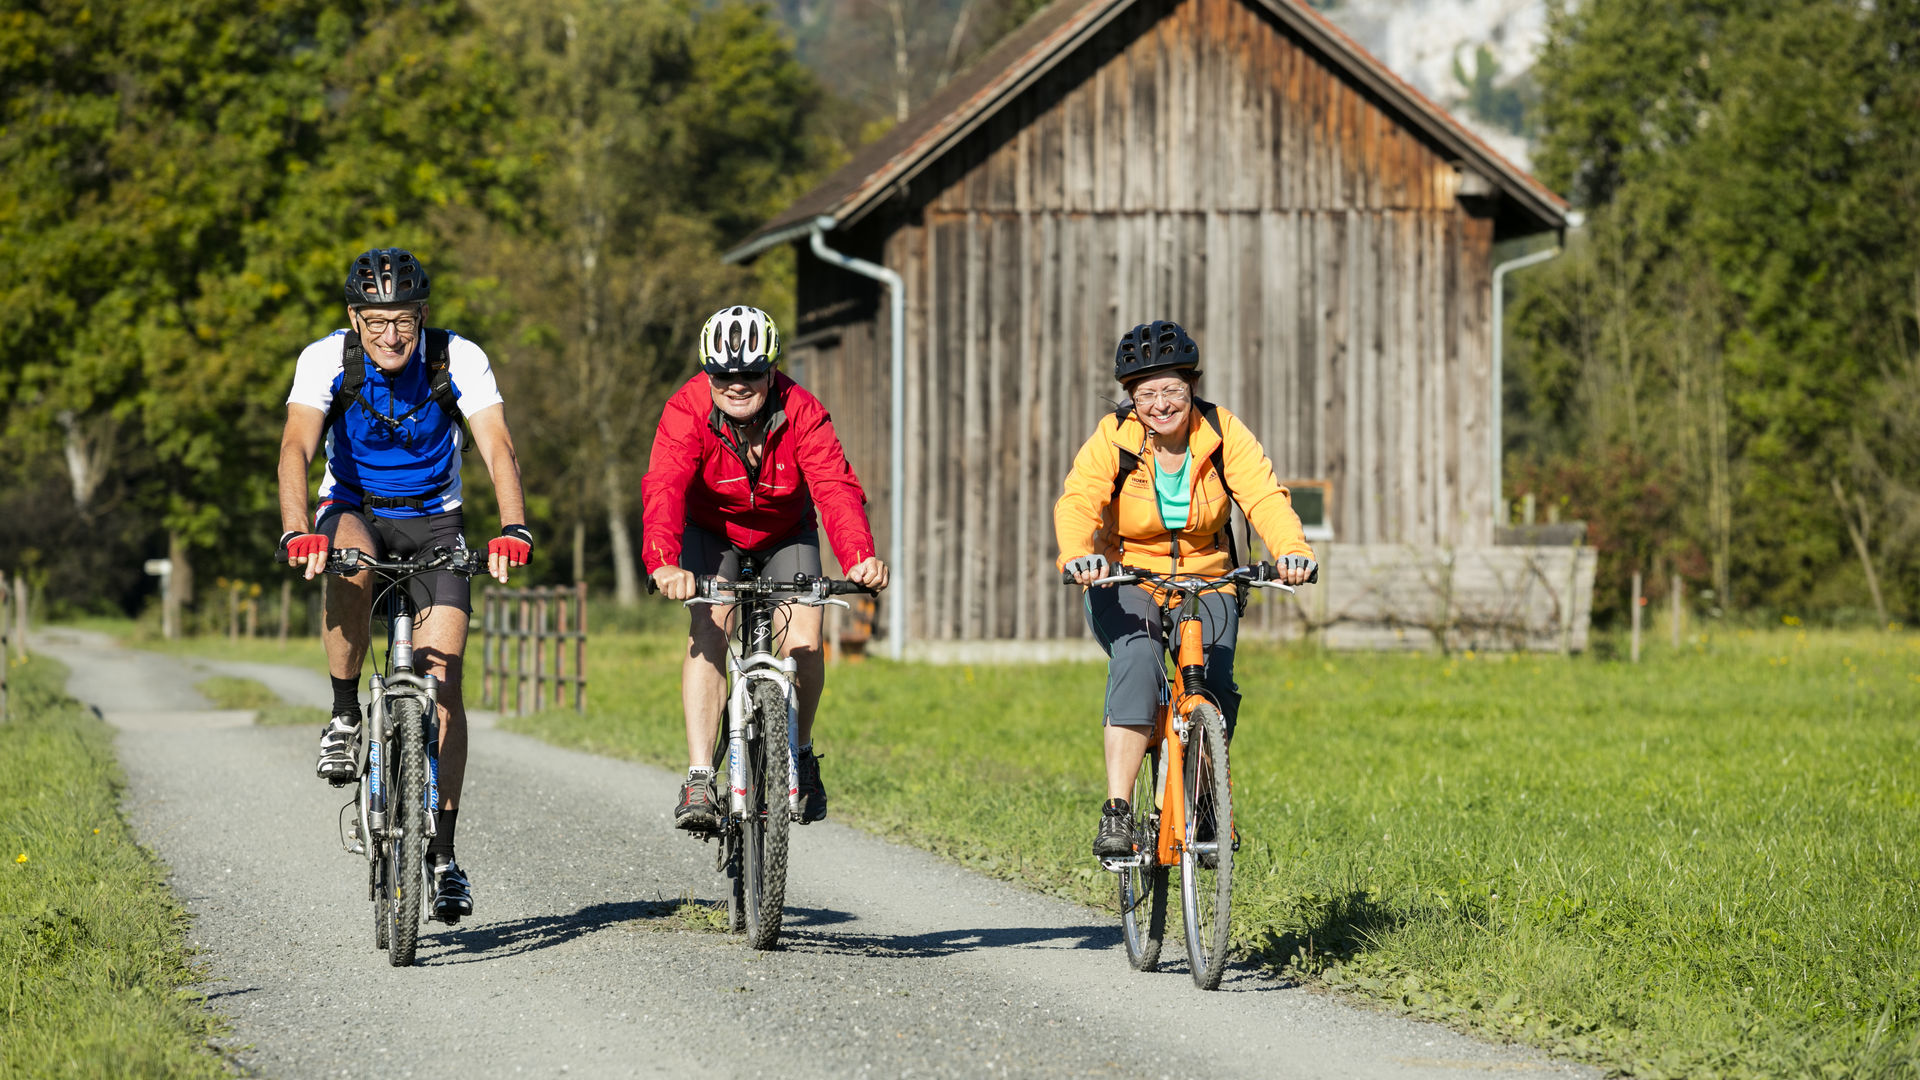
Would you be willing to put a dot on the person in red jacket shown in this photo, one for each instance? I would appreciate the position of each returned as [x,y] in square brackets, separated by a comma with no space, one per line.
[742,458]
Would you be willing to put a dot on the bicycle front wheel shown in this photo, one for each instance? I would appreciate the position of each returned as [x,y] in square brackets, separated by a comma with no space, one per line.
[407,815]
[1206,860]
[765,829]
[1143,889]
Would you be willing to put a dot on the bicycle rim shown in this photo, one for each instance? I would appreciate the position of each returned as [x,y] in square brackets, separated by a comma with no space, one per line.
[406,853]
[767,815]
[1143,890]
[1206,892]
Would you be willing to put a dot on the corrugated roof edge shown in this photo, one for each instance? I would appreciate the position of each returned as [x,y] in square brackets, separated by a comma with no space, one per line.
[1031,51]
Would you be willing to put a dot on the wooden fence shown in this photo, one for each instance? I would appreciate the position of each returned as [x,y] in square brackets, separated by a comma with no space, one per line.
[516,627]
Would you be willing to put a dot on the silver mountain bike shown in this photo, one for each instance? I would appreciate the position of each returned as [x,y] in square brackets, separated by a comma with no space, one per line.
[758,745]
[395,810]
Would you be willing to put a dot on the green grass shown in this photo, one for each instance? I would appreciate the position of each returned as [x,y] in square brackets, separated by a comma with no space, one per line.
[230,692]
[1700,866]
[94,972]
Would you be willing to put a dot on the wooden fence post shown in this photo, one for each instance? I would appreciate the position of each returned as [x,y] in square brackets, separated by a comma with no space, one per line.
[6,646]
[580,649]
[540,613]
[562,624]
[20,615]
[1635,604]
[520,655]
[1673,607]
[486,646]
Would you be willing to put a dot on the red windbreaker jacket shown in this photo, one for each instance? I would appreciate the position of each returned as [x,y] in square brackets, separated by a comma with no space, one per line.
[696,474]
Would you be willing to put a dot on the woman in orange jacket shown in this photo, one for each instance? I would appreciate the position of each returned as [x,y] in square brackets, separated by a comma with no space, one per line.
[1170,513]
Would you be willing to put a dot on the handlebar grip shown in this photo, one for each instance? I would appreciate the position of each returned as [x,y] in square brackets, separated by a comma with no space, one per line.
[1066,578]
[842,588]
[651,587]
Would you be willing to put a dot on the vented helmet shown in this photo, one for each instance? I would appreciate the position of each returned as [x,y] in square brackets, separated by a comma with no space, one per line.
[386,276]
[1160,345]
[739,341]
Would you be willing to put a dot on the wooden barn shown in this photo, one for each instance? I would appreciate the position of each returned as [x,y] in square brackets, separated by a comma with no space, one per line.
[1323,230]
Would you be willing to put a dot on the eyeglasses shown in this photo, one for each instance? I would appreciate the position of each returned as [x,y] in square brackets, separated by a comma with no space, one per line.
[405,324]
[1143,400]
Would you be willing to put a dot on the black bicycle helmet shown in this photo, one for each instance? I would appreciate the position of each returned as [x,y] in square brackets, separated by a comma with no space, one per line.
[386,276]
[1156,346]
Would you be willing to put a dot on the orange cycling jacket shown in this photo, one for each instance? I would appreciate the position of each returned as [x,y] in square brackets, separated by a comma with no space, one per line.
[1086,521]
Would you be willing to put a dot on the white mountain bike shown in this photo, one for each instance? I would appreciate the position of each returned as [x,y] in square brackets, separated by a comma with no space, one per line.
[758,746]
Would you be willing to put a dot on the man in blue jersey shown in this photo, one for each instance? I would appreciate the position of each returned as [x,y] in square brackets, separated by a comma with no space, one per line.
[390,398]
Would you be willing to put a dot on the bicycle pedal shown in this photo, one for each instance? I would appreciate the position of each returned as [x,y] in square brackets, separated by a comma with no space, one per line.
[1115,866]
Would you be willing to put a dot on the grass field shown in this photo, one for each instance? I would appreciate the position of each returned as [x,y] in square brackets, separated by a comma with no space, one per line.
[94,971]
[1703,865]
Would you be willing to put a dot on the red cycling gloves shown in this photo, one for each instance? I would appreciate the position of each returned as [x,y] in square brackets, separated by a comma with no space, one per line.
[298,545]
[515,542]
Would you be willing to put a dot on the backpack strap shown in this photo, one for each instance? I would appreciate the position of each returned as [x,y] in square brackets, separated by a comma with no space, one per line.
[353,368]
[440,374]
[353,375]
[1211,414]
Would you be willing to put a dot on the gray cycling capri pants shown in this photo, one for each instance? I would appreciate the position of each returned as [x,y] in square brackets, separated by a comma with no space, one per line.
[704,553]
[1126,621]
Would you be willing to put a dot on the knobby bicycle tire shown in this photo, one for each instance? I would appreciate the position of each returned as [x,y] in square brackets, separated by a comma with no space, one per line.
[1143,890]
[767,814]
[408,810]
[1206,892]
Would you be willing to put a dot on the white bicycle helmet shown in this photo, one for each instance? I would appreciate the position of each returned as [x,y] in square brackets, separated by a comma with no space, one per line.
[739,341]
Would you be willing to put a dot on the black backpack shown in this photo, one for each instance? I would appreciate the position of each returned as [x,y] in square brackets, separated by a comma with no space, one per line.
[1130,461]
[353,364]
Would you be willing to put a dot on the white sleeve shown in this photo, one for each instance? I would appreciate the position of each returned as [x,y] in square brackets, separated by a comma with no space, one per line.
[313,377]
[472,375]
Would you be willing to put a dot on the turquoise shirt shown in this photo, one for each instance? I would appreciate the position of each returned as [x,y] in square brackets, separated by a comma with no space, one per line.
[1170,489]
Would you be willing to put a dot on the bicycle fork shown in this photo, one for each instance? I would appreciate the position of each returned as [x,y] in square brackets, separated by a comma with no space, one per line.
[759,666]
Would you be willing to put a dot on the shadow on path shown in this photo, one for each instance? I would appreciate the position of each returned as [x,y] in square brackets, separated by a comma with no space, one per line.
[496,940]
[802,937]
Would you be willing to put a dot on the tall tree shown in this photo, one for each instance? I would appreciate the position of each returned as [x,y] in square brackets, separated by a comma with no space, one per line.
[663,128]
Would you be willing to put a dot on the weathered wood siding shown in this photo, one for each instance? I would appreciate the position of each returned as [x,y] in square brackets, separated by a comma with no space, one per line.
[1194,162]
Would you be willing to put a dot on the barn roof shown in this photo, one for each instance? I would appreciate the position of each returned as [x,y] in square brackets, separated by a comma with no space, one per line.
[1022,57]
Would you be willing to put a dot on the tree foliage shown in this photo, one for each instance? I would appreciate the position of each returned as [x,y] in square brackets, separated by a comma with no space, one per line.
[1742,306]
[182,183]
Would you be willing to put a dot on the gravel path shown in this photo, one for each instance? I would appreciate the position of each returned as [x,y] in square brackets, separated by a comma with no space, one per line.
[895,964]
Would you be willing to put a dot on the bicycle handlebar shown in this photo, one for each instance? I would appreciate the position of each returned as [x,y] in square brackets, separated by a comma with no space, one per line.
[1260,575]
[347,561]
[800,588]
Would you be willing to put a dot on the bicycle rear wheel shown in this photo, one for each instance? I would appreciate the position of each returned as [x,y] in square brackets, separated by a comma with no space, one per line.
[1206,886]
[765,830]
[1143,889]
[407,813]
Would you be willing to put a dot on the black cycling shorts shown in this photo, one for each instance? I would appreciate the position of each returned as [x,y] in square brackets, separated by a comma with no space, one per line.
[404,538]
[704,553]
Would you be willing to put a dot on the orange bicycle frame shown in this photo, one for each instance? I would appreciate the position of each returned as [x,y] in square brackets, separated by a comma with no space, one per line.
[1173,794]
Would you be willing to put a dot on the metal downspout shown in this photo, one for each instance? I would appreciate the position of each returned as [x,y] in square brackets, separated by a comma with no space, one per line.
[897,448]
[1498,400]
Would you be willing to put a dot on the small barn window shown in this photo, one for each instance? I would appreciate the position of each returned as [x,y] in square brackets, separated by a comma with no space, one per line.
[1313,501]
